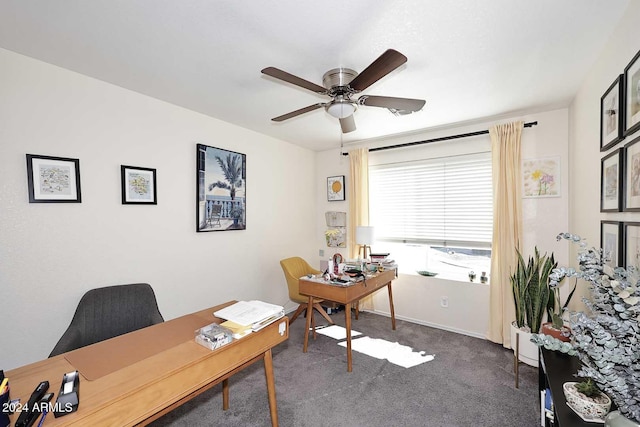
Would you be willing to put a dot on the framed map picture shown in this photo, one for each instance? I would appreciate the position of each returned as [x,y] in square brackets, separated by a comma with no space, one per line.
[53,179]
[335,188]
[138,186]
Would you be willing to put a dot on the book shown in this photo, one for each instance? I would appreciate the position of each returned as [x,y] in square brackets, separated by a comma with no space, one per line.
[256,314]
[236,329]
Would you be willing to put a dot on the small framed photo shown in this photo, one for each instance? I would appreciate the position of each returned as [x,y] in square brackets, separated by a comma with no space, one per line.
[611,242]
[53,179]
[631,244]
[611,176]
[335,188]
[631,181]
[632,95]
[138,186]
[611,117]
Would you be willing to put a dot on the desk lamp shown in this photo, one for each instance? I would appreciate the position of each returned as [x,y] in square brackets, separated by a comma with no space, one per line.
[365,238]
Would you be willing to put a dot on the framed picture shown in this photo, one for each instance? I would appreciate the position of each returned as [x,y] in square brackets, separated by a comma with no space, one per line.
[631,244]
[335,188]
[221,199]
[632,95]
[611,242]
[631,181]
[611,116]
[138,186]
[611,176]
[53,179]
[541,177]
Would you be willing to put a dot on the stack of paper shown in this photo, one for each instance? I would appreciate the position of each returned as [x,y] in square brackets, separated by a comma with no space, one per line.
[237,330]
[254,314]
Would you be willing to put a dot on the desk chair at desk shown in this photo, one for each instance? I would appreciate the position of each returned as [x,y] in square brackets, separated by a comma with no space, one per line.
[107,312]
[294,268]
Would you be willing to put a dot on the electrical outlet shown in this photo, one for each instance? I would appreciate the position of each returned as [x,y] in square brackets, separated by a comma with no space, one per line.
[321,252]
[444,302]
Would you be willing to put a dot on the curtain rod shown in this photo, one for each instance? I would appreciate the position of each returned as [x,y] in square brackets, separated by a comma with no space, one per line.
[444,138]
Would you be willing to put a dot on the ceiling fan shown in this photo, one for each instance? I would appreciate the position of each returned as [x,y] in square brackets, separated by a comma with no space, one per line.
[343,83]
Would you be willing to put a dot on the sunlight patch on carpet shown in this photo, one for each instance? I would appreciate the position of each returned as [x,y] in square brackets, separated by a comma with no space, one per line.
[336,332]
[394,352]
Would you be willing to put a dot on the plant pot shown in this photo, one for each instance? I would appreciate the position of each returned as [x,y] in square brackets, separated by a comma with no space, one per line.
[616,419]
[591,409]
[528,351]
[563,334]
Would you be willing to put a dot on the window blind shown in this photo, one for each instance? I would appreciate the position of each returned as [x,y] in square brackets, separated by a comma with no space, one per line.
[446,201]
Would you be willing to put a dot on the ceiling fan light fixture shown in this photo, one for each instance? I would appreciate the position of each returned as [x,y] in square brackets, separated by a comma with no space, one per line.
[340,110]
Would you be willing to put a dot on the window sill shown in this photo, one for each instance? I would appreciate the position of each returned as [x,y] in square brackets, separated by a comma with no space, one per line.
[449,278]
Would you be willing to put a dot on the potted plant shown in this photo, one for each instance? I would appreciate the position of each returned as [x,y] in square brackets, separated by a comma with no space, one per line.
[605,337]
[530,286]
[236,213]
[555,325]
[586,400]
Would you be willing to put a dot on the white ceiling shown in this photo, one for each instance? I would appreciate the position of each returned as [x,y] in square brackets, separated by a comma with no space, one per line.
[469,59]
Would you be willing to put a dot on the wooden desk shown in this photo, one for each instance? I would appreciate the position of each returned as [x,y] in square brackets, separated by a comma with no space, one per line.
[347,295]
[149,388]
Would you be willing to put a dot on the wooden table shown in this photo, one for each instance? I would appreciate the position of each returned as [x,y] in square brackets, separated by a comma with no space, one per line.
[347,295]
[142,392]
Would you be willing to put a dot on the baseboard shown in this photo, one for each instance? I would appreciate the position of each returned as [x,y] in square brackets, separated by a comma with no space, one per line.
[430,324]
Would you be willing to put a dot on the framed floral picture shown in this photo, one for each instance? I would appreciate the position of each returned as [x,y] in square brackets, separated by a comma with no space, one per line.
[632,95]
[631,182]
[541,177]
[221,196]
[138,185]
[631,244]
[53,179]
[611,116]
[612,243]
[335,188]
[611,176]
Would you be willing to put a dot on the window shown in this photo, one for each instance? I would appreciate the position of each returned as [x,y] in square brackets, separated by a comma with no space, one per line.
[435,214]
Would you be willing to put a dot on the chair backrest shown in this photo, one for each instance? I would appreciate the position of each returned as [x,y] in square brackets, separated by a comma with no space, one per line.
[107,312]
[294,268]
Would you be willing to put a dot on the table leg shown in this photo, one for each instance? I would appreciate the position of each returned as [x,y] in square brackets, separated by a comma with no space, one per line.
[271,387]
[393,314]
[516,358]
[347,315]
[306,330]
[225,394]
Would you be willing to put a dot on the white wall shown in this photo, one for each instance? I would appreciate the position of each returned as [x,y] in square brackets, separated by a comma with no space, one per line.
[417,298]
[584,135]
[50,254]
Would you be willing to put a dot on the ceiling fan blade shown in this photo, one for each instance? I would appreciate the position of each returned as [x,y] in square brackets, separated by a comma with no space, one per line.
[290,78]
[403,104]
[386,63]
[298,112]
[348,124]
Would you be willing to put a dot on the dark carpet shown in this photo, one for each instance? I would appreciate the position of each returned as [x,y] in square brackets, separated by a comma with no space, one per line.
[469,383]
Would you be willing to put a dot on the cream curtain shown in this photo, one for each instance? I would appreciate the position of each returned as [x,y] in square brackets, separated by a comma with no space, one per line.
[507,226]
[358,196]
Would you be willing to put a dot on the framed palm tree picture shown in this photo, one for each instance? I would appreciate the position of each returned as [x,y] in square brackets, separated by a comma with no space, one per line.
[221,198]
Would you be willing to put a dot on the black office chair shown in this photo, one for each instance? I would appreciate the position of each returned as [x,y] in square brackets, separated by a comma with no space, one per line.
[107,312]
